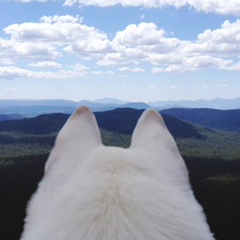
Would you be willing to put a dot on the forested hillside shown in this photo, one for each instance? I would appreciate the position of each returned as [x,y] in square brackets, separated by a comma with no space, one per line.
[7,117]
[227,120]
[38,134]
[212,157]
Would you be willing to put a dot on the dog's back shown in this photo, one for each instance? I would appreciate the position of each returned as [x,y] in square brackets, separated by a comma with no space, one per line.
[93,192]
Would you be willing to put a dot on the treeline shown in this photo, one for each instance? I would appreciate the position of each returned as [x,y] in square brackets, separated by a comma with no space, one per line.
[216,185]
[14,138]
[19,178]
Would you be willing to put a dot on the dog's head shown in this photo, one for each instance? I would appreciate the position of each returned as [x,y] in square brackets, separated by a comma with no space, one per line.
[90,191]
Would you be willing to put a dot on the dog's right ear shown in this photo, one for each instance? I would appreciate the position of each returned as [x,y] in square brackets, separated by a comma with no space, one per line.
[77,139]
[152,136]
[151,133]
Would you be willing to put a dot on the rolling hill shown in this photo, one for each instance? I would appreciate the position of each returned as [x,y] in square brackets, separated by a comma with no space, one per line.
[227,120]
[121,121]
[117,126]
[7,117]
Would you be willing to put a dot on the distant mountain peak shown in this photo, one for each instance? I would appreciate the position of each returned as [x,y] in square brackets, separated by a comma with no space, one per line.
[108,100]
[135,105]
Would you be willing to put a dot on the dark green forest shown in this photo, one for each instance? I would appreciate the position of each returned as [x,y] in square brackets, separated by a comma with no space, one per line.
[227,120]
[212,157]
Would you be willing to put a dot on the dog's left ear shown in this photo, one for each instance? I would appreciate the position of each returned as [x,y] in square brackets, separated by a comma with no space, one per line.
[77,139]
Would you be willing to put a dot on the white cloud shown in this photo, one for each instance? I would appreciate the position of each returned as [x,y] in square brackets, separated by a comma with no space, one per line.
[80,68]
[11,72]
[205,61]
[230,7]
[51,37]
[45,64]
[225,40]
[228,32]
[175,55]
[134,70]
[100,73]
[177,68]
[54,37]
[13,50]
[172,68]
[133,46]
[144,34]
[190,64]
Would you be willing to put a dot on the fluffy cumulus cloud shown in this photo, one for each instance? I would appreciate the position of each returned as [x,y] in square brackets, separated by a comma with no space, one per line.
[214,6]
[142,43]
[65,32]
[14,50]
[230,7]
[223,40]
[45,43]
[213,48]
[134,35]
[42,43]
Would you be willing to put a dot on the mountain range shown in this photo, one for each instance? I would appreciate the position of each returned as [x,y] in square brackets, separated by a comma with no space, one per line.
[30,108]
[117,126]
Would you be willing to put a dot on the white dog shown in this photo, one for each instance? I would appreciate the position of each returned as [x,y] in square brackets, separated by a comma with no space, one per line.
[93,192]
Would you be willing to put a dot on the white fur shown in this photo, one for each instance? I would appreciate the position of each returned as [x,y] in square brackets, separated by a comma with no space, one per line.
[93,192]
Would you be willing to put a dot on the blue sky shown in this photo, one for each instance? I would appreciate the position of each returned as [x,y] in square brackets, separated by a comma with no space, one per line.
[131,50]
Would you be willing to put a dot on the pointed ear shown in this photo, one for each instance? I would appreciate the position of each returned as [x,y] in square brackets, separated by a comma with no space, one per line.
[152,136]
[81,127]
[150,131]
[78,137]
